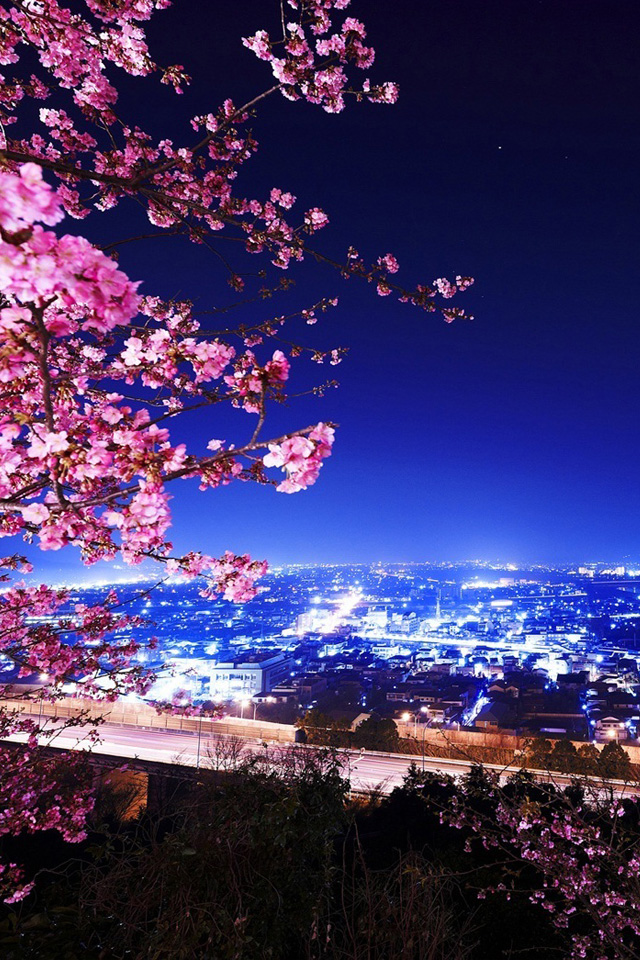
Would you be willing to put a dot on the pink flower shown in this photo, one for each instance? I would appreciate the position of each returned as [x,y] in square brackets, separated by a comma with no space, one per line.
[300,458]
[289,454]
[315,219]
[35,513]
[25,198]
[13,319]
[259,44]
[389,263]
[277,368]
[47,444]
[445,288]
[52,537]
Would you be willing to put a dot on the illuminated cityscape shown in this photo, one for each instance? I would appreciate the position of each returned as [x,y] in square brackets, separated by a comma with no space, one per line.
[543,651]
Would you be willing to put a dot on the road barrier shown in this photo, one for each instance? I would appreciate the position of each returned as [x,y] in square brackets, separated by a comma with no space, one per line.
[141,715]
[449,739]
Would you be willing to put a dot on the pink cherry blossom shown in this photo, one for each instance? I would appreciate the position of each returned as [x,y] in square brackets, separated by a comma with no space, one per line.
[315,219]
[300,457]
[27,199]
[35,513]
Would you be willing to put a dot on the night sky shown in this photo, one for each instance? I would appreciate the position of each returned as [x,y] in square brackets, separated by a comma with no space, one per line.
[511,156]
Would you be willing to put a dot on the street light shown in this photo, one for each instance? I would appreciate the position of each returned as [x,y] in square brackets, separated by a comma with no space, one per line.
[43,679]
[424,710]
[245,703]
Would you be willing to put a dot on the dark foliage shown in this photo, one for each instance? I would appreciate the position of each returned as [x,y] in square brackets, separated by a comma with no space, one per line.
[271,861]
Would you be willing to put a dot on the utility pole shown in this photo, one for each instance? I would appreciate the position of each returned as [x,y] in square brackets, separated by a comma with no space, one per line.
[199,738]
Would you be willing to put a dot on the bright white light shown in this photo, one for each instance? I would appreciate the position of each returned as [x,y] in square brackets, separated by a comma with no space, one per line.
[344,609]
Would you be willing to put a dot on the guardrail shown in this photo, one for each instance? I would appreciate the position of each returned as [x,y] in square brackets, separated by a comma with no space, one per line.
[145,717]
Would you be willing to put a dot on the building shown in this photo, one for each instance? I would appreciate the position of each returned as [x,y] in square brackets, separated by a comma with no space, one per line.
[438,712]
[376,618]
[495,716]
[610,728]
[248,675]
[310,687]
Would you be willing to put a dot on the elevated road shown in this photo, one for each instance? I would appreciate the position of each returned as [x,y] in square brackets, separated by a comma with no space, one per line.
[367,771]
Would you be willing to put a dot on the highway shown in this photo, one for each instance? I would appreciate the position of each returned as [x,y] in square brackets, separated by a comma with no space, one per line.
[367,771]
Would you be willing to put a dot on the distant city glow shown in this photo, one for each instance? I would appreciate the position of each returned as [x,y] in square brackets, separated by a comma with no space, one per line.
[439,645]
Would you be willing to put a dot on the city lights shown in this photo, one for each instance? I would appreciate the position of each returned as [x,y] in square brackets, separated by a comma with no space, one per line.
[440,644]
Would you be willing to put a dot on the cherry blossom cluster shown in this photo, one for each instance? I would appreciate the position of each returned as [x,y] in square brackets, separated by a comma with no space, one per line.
[423,296]
[448,289]
[40,792]
[187,188]
[39,634]
[27,199]
[74,53]
[310,61]
[65,283]
[80,465]
[585,854]
[300,457]
[232,576]
[250,384]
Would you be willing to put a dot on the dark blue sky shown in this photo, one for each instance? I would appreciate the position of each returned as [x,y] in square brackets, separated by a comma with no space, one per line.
[512,156]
